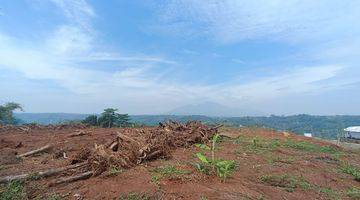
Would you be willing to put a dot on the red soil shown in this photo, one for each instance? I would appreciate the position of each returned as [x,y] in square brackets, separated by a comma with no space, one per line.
[320,170]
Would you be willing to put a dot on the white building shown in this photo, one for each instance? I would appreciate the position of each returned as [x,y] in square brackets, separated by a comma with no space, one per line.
[353,132]
[307,134]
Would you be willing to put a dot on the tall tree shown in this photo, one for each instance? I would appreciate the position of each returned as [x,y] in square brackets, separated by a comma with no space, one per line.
[7,112]
[108,118]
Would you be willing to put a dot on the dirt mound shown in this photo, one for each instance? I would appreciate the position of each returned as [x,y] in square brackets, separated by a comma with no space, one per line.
[134,146]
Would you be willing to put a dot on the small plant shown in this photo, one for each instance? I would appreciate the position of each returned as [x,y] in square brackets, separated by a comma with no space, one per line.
[55,197]
[222,168]
[13,191]
[330,193]
[114,171]
[155,179]
[352,170]
[353,193]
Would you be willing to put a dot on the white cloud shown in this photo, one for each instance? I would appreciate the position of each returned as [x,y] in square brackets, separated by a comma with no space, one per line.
[233,20]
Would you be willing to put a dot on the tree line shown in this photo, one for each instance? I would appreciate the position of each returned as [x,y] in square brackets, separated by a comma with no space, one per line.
[107,119]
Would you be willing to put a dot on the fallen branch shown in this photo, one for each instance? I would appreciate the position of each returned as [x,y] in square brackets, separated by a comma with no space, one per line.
[42,149]
[70,179]
[79,133]
[47,173]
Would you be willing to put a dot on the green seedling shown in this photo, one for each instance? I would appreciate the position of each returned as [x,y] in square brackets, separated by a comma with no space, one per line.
[222,168]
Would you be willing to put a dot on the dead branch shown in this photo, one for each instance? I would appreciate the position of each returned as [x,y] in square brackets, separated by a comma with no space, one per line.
[42,149]
[47,173]
[79,133]
[70,179]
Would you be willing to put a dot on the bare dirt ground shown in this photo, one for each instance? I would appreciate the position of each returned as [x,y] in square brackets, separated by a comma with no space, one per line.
[270,165]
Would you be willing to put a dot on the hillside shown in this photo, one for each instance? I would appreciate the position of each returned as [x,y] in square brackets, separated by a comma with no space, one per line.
[320,126]
[269,165]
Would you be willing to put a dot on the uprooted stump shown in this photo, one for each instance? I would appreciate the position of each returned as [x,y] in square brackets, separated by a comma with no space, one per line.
[133,146]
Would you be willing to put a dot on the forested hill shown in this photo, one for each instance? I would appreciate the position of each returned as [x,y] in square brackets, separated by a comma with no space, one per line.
[320,126]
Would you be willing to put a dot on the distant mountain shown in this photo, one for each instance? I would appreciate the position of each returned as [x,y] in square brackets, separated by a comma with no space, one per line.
[214,109]
[48,118]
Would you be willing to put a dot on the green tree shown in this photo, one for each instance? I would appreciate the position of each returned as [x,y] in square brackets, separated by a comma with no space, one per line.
[110,118]
[91,120]
[123,120]
[7,113]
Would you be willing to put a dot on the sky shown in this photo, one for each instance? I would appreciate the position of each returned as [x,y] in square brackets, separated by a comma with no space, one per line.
[279,57]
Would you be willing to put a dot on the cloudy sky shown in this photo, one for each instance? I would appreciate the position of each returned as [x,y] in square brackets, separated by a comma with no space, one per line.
[148,57]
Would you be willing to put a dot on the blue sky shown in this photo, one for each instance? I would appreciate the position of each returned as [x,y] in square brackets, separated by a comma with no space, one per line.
[149,57]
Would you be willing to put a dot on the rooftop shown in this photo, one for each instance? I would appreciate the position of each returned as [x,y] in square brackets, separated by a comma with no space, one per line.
[353,129]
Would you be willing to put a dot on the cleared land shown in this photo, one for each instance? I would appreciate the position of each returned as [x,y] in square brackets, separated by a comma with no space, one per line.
[269,165]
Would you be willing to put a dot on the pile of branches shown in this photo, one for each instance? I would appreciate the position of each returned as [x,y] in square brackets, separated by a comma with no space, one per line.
[135,146]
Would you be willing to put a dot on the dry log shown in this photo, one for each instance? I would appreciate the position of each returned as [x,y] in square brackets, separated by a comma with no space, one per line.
[114,146]
[42,149]
[47,173]
[79,133]
[70,179]
[124,137]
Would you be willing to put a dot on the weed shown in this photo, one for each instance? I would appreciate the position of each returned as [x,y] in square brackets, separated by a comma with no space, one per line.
[155,179]
[300,145]
[257,145]
[330,193]
[353,193]
[114,171]
[278,159]
[33,177]
[170,171]
[222,168]
[352,170]
[310,147]
[203,198]
[54,197]
[13,191]
[135,196]
[289,183]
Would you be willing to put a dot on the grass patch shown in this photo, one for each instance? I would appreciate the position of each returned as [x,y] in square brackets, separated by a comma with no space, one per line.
[276,160]
[13,191]
[257,145]
[351,170]
[135,196]
[289,183]
[353,193]
[330,193]
[167,172]
[170,171]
